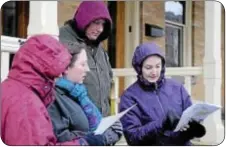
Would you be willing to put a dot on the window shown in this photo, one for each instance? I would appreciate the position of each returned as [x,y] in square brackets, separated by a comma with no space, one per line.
[15,15]
[175,22]
[174,54]
[9,19]
[175,11]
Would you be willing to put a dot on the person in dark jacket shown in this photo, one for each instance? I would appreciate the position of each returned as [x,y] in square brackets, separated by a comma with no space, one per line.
[28,90]
[160,103]
[91,25]
[73,114]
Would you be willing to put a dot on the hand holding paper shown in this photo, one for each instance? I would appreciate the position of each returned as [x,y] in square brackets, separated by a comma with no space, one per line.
[110,120]
[196,112]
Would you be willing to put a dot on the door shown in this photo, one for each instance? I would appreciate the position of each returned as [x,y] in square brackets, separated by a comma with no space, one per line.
[116,41]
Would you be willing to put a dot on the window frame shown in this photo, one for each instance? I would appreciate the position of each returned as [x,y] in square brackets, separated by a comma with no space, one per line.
[187,34]
[181,41]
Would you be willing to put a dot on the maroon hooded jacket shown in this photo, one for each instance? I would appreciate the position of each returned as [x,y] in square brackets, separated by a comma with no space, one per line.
[28,91]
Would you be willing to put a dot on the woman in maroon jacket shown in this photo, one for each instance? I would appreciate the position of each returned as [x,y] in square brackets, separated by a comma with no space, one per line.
[28,90]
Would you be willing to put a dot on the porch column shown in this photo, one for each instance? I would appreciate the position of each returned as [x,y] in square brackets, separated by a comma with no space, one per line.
[43,18]
[212,71]
[4,65]
[132,36]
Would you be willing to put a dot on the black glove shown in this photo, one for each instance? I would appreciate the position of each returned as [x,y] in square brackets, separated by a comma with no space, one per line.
[172,119]
[95,140]
[113,133]
[117,128]
[195,130]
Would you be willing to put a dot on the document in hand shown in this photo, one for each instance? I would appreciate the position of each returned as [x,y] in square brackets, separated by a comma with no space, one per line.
[106,122]
[197,112]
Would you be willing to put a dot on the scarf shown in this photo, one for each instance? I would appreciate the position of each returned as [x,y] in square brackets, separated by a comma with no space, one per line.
[79,93]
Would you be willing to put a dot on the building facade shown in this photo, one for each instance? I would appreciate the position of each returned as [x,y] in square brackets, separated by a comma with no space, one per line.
[179,27]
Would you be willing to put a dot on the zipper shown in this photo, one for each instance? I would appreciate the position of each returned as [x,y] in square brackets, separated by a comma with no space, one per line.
[100,90]
[160,103]
[97,74]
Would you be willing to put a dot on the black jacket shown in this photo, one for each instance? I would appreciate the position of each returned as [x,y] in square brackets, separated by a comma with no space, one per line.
[68,119]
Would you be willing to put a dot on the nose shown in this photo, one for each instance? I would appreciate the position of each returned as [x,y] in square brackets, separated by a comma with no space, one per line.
[153,71]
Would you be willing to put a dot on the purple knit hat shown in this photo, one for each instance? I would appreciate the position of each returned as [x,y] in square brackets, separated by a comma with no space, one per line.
[89,11]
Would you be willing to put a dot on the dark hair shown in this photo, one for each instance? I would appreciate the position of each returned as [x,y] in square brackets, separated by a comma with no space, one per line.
[74,49]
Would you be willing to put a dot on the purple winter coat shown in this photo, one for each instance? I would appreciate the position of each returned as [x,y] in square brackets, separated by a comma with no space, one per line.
[143,124]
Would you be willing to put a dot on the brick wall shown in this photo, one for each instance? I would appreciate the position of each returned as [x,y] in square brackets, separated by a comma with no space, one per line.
[66,10]
[152,13]
[198,35]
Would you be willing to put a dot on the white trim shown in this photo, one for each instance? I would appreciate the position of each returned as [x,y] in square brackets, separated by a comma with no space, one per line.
[170,71]
[10,44]
[132,39]
[43,18]
[174,23]
[116,94]
[4,65]
[212,71]
[127,34]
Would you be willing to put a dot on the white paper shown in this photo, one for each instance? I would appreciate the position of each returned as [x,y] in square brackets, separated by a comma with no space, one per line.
[106,122]
[197,112]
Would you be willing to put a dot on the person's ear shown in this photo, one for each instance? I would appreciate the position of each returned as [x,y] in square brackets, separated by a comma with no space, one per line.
[65,72]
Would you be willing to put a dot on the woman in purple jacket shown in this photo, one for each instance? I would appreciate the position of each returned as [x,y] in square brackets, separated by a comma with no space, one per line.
[160,103]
